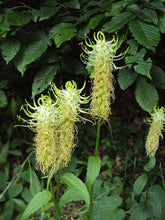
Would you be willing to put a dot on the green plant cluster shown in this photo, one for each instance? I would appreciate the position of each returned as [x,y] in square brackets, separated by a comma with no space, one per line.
[39,44]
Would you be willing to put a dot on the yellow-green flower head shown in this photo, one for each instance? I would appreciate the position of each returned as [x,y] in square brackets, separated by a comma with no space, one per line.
[99,59]
[70,99]
[157,122]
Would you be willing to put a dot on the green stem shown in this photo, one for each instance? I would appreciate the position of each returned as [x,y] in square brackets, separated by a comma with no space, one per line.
[110,128]
[55,201]
[98,136]
[91,202]
[161,173]
[58,185]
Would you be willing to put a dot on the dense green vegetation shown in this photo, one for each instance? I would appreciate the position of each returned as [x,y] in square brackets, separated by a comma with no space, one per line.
[40,43]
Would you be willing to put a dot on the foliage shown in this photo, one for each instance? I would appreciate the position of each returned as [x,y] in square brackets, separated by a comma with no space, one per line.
[40,44]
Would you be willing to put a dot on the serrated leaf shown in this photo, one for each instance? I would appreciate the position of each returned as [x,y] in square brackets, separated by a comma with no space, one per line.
[156,5]
[133,46]
[149,15]
[76,184]
[107,208]
[3,99]
[34,50]
[126,78]
[146,94]
[93,169]
[95,20]
[146,34]
[43,78]
[158,77]
[47,12]
[9,48]
[69,196]
[117,22]
[64,35]
[17,18]
[139,184]
[161,24]
[38,201]
[150,165]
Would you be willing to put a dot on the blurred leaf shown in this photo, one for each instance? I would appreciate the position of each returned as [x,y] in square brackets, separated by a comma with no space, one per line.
[158,77]
[38,201]
[43,78]
[77,185]
[101,189]
[146,34]
[15,152]
[126,78]
[3,83]
[15,189]
[9,48]
[20,205]
[35,185]
[17,18]
[4,153]
[139,184]
[107,208]
[95,20]
[47,12]
[72,4]
[146,94]
[150,165]
[3,99]
[161,24]
[7,211]
[26,195]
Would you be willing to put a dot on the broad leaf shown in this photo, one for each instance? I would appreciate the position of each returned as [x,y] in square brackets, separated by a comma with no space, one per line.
[47,12]
[126,78]
[35,185]
[107,208]
[158,77]
[161,24]
[139,184]
[18,18]
[138,211]
[43,78]
[4,153]
[7,212]
[72,4]
[149,16]
[77,185]
[150,165]
[93,169]
[157,5]
[95,20]
[117,22]
[9,48]
[146,34]
[3,83]
[69,196]
[146,94]
[133,46]
[64,35]
[101,189]
[15,189]
[3,99]
[38,201]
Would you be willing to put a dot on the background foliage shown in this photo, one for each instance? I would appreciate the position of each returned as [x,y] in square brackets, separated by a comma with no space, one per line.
[40,43]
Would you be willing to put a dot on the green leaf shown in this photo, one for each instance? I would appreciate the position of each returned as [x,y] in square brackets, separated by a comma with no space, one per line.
[15,152]
[7,211]
[156,5]
[161,25]
[3,83]
[17,18]
[35,185]
[38,201]
[140,212]
[20,205]
[154,201]
[149,15]
[139,184]
[146,94]
[47,12]
[69,196]
[3,99]
[150,165]
[107,208]
[117,22]
[133,46]
[43,78]
[34,50]
[9,48]
[93,170]
[4,153]
[158,77]
[146,34]
[15,189]
[26,195]
[76,184]
[64,35]
[101,189]
[72,4]
[95,20]
[126,78]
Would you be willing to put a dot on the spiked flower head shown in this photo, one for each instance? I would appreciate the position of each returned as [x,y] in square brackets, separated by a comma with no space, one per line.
[54,125]
[100,63]
[155,132]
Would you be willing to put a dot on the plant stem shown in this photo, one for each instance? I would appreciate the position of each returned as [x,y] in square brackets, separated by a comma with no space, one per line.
[98,136]
[58,185]
[110,128]
[55,201]
[91,202]
[161,173]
